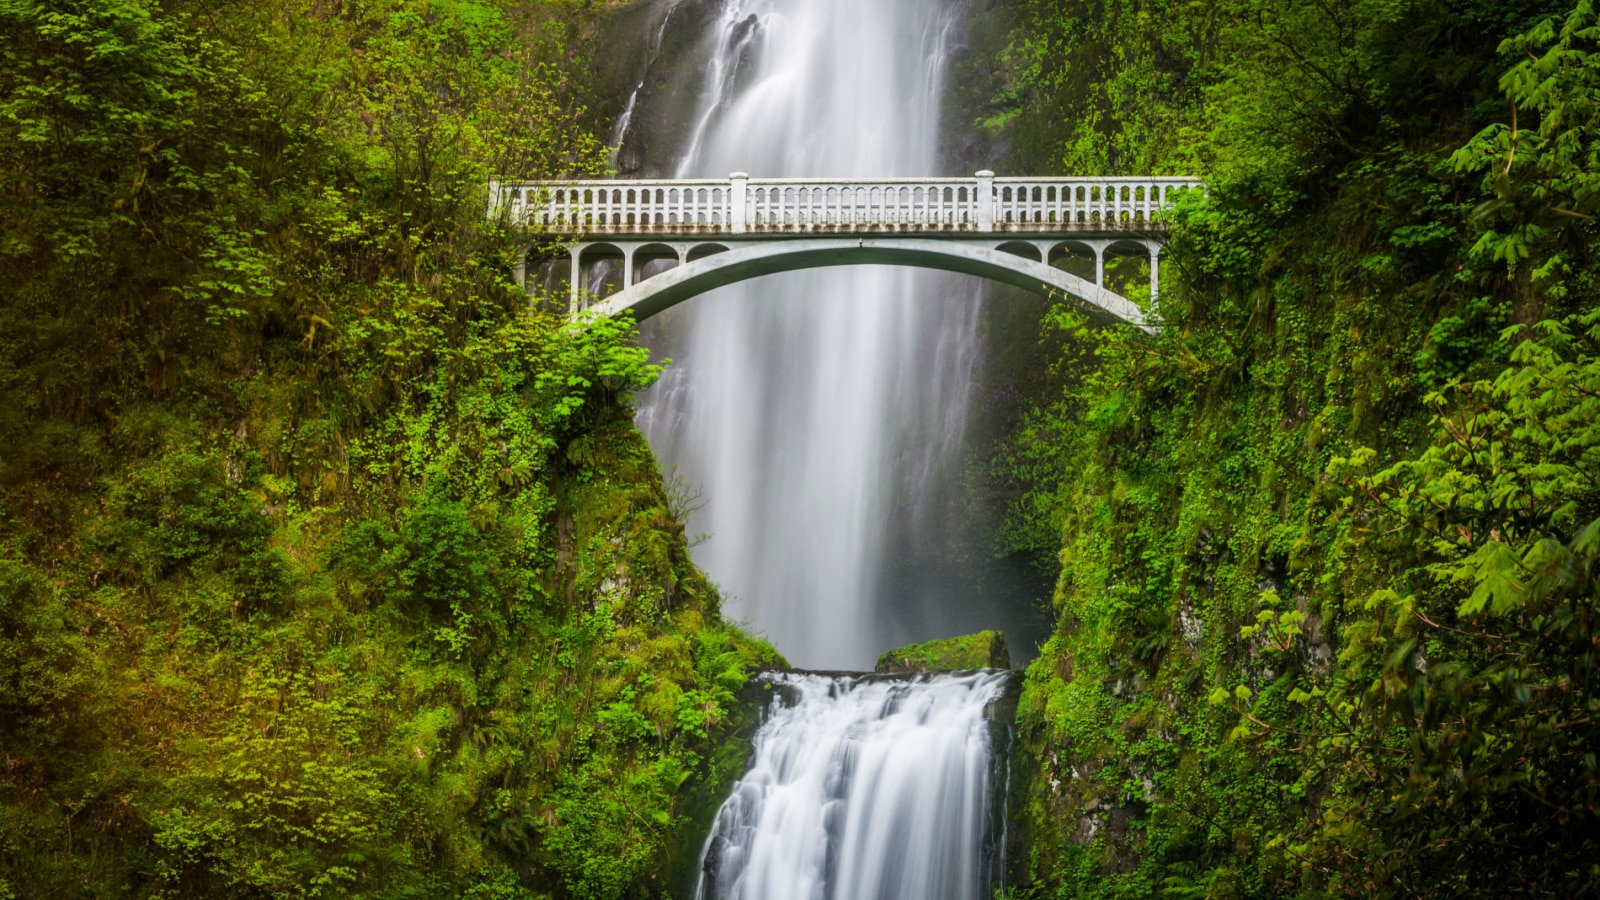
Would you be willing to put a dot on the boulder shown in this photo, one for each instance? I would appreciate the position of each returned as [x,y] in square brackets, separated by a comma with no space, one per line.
[984,650]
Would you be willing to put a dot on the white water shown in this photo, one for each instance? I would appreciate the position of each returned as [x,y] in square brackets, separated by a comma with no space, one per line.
[812,408]
[861,789]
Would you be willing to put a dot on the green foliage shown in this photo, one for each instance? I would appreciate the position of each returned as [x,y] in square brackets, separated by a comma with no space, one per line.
[329,564]
[983,650]
[1327,540]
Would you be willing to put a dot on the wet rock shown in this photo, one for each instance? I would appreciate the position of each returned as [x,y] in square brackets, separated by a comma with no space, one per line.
[984,650]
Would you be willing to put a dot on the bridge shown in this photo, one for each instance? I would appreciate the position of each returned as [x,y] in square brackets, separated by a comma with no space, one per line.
[678,238]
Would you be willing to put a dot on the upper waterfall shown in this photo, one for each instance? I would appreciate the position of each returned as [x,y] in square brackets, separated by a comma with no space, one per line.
[811,415]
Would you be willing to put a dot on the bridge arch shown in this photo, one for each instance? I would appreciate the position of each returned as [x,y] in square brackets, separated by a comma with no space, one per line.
[742,260]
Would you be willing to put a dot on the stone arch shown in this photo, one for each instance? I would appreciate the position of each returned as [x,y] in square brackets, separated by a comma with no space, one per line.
[1128,265]
[1024,249]
[1080,257]
[747,260]
[701,251]
[650,260]
[601,268]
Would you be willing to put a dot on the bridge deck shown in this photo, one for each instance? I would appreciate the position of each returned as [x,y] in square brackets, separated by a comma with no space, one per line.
[772,207]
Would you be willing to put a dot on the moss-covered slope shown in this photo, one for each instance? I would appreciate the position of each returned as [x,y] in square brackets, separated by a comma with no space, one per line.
[1327,604]
[328,567]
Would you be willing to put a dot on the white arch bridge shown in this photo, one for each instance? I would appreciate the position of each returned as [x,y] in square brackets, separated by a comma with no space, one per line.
[678,238]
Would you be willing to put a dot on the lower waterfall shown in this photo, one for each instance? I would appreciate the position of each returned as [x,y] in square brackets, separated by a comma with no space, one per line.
[866,787]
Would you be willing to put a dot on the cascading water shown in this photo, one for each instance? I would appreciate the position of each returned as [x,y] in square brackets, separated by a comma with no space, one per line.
[811,408]
[815,410]
[863,788]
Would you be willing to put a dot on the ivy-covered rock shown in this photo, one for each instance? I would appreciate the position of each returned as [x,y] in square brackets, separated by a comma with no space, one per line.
[984,650]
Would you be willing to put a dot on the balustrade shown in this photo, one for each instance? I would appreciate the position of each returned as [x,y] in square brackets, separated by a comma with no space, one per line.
[742,205]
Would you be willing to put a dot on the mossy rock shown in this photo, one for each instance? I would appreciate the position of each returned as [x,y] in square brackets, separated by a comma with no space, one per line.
[984,650]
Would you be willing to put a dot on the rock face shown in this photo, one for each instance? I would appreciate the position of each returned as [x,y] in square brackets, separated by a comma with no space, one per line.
[984,650]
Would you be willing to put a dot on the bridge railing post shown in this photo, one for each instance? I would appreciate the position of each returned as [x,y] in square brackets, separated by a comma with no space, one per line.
[985,198]
[736,202]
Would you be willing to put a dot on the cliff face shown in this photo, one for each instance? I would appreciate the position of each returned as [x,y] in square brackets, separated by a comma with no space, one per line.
[1289,623]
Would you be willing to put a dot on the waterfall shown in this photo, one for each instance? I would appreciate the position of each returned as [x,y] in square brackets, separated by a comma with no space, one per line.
[814,409]
[863,788]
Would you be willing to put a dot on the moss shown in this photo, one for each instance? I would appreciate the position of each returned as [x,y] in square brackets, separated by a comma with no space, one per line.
[984,650]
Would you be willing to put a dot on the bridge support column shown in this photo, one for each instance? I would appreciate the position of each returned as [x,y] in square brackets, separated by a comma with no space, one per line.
[520,271]
[1155,277]
[627,265]
[1100,263]
[577,278]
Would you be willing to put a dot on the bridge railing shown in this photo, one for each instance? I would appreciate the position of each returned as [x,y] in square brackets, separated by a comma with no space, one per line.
[618,206]
[804,205]
[743,205]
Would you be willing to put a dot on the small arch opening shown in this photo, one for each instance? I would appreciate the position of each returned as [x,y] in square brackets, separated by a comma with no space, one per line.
[653,259]
[1074,258]
[1128,270]
[1022,249]
[548,280]
[600,270]
[701,251]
